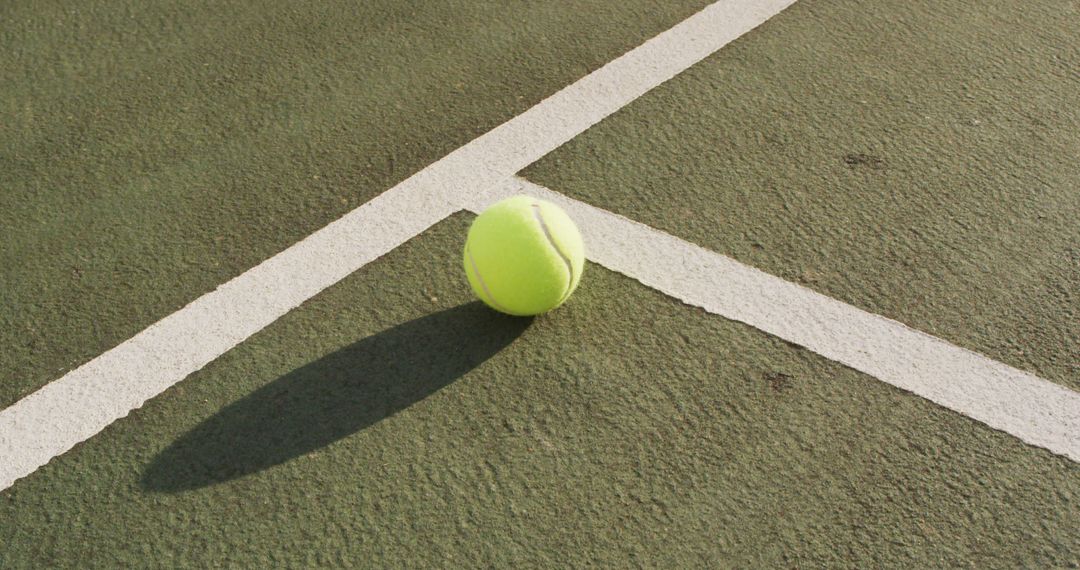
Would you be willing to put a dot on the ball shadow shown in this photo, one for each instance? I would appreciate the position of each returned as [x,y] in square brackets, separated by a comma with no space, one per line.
[333,397]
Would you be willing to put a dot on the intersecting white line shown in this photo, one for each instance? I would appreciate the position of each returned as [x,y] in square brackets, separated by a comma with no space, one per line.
[85,401]
[1036,411]
[80,404]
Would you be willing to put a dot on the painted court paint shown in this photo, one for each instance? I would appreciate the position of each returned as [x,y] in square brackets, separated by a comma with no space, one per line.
[80,404]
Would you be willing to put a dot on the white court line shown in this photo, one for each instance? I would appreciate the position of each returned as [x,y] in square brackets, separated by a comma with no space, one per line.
[1032,409]
[83,402]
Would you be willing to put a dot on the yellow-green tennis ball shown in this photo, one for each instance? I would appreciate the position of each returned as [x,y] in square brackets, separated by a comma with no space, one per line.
[524,256]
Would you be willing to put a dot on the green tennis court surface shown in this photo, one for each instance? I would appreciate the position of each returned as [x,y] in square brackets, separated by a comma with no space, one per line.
[426,430]
[143,165]
[916,160]
[939,188]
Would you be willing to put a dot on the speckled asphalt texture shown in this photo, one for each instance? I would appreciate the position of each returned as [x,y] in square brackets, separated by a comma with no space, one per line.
[390,425]
[150,151]
[916,159]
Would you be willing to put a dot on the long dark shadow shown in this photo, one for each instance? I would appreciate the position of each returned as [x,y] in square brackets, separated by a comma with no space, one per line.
[333,397]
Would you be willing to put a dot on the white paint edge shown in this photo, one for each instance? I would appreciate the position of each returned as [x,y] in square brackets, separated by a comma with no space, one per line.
[85,401]
[1034,410]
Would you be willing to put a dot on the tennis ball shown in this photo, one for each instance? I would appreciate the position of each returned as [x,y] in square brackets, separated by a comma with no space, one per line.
[523,256]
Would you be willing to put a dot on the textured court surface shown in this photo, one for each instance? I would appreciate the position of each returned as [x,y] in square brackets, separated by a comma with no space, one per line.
[144,165]
[913,159]
[423,430]
[939,188]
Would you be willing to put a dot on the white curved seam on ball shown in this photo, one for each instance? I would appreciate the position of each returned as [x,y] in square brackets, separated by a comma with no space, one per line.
[547,233]
[483,285]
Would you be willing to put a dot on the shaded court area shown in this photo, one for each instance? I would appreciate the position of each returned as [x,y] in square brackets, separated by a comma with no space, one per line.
[334,397]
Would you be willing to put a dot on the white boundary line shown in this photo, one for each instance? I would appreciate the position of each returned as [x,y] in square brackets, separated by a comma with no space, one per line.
[1036,411]
[85,401]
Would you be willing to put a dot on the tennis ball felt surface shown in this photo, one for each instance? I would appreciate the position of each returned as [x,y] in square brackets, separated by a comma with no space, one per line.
[524,256]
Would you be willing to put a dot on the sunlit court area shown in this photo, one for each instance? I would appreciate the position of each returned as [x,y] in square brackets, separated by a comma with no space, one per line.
[546,284]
